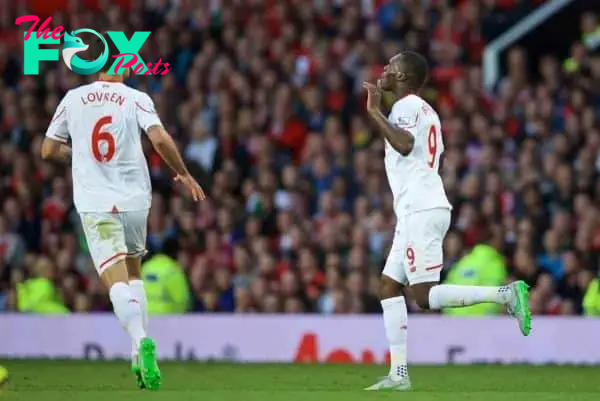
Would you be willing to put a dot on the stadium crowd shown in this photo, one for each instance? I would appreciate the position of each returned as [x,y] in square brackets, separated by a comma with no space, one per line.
[265,102]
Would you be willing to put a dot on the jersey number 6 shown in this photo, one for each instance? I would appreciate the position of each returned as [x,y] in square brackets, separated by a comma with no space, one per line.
[432,145]
[99,136]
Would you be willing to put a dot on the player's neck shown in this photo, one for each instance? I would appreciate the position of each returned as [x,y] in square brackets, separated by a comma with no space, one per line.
[402,93]
[110,78]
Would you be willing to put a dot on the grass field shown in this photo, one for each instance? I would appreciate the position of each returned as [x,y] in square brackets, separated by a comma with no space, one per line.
[108,381]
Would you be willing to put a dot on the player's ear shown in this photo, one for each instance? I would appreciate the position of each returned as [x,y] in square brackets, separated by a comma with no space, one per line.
[401,76]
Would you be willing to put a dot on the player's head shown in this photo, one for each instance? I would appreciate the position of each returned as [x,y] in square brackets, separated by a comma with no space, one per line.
[406,72]
[97,48]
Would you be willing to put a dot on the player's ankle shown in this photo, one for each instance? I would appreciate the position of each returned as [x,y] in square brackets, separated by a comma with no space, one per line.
[505,293]
[398,371]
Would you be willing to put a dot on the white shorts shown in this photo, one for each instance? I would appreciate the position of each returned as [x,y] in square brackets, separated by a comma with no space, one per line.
[112,237]
[417,253]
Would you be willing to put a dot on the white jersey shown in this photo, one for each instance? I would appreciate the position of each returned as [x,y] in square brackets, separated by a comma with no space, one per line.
[104,122]
[414,179]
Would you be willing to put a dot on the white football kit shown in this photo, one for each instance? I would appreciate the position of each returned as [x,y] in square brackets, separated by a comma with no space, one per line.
[420,203]
[111,183]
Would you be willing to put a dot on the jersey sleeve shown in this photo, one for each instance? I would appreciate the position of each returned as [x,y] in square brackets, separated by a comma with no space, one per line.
[57,129]
[405,115]
[145,112]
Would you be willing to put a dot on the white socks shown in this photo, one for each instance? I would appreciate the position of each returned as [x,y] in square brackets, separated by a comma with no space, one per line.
[395,319]
[395,316]
[138,293]
[447,295]
[128,311]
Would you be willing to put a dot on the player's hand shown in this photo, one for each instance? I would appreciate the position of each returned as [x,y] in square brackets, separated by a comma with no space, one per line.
[195,189]
[373,97]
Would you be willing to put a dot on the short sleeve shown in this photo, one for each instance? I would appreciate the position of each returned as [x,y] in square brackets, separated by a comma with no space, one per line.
[57,129]
[405,115]
[145,112]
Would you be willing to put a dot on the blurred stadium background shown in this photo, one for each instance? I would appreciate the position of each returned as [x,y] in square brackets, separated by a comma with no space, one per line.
[264,100]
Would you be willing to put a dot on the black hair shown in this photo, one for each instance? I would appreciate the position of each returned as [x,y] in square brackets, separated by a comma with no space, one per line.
[97,47]
[416,67]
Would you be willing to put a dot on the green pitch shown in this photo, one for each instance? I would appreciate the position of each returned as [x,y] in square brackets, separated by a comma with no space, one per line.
[104,381]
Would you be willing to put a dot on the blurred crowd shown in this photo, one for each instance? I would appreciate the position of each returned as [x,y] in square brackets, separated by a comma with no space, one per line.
[265,103]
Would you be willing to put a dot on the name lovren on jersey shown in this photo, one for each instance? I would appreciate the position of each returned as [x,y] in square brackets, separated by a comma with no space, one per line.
[103,97]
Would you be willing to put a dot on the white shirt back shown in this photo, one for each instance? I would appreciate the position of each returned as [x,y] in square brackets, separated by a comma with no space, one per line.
[414,179]
[104,122]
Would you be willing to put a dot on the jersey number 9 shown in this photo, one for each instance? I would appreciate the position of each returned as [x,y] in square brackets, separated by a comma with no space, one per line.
[432,145]
[99,137]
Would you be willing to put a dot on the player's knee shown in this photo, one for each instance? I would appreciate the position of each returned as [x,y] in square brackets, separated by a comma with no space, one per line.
[134,268]
[115,273]
[420,294]
[422,301]
[388,288]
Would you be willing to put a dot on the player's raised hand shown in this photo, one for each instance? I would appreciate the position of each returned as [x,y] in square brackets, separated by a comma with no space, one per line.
[195,188]
[373,97]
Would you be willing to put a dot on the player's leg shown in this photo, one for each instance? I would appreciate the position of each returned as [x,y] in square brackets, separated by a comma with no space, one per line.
[395,317]
[143,362]
[137,290]
[425,261]
[125,306]
[135,227]
[105,235]
[134,264]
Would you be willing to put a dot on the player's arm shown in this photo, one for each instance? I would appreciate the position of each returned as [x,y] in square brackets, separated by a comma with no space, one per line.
[54,146]
[167,149]
[399,138]
[148,120]
[56,151]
